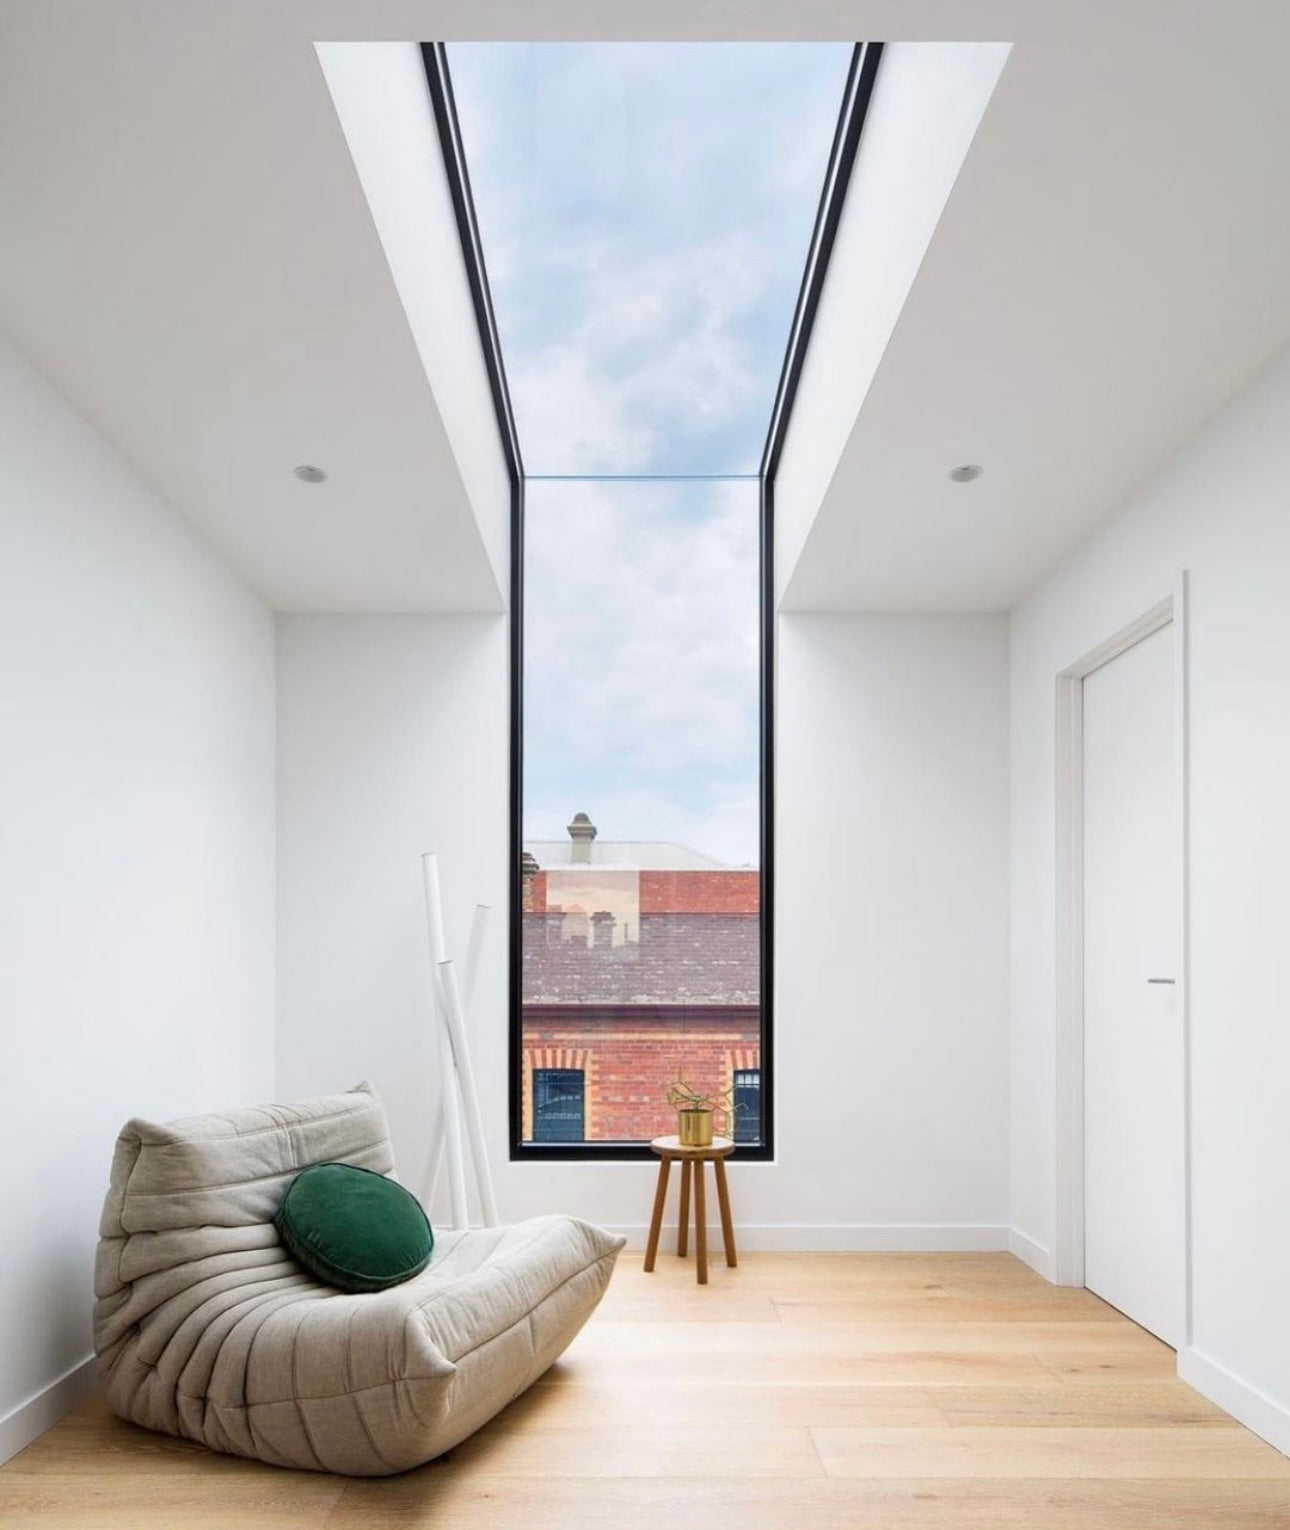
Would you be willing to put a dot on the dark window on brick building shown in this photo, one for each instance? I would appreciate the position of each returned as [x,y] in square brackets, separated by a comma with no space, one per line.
[559,1105]
[747,1103]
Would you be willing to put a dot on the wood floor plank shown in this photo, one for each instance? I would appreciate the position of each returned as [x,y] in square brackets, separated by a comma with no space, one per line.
[1085,1368]
[1140,1405]
[1046,1452]
[193,1503]
[1066,1340]
[758,1367]
[93,1470]
[716,1448]
[964,1305]
[685,1304]
[790,1274]
[92,1442]
[434,1499]
[804,1275]
[591,1405]
[585,1403]
[796,1392]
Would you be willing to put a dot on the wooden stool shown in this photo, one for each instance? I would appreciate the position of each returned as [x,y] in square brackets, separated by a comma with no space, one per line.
[716,1153]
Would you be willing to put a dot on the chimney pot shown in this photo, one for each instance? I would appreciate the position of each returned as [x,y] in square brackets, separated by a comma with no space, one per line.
[581,831]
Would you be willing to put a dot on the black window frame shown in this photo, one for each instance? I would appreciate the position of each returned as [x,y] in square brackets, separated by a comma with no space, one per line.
[856,96]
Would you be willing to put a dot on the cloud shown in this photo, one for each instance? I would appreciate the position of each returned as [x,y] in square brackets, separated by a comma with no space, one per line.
[645,211]
[642,662]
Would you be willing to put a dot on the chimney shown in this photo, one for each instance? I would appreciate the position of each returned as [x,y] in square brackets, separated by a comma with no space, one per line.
[529,869]
[602,929]
[581,831]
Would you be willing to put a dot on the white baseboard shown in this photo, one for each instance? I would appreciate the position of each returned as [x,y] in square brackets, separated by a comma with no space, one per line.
[1254,1409]
[842,1237]
[1039,1258]
[29,1420]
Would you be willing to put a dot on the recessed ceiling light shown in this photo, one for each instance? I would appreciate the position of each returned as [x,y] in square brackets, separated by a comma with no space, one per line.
[964,474]
[306,473]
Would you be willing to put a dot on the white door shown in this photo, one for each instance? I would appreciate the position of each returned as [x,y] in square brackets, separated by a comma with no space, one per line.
[1134,1232]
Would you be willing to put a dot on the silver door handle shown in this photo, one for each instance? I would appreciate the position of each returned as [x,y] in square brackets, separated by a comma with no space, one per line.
[1170,981]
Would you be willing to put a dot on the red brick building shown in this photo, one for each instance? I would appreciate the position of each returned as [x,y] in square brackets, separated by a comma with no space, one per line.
[641,964]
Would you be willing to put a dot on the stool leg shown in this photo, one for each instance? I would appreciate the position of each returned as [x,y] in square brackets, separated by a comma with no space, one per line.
[683,1221]
[700,1223]
[727,1225]
[656,1221]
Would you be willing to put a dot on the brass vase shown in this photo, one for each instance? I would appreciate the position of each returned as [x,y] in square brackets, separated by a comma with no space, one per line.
[694,1128]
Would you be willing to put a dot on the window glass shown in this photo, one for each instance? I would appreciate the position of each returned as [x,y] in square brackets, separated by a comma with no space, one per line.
[645,211]
[642,668]
[642,889]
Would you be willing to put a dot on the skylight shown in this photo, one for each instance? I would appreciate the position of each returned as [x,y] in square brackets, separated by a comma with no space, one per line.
[645,212]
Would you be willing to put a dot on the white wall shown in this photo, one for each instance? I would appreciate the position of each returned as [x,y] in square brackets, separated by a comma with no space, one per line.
[892,890]
[1220,511]
[891,1024]
[392,741]
[136,842]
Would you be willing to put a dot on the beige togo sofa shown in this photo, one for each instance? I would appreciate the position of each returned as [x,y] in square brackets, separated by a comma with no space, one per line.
[205,1327]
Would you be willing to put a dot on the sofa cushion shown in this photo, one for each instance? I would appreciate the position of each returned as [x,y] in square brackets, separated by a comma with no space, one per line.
[353,1228]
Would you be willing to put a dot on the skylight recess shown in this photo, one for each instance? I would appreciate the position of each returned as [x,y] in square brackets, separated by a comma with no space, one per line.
[645,212]
[637,220]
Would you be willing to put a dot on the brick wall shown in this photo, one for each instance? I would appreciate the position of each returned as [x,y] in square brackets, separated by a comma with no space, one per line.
[532,891]
[630,1054]
[666,892]
[700,892]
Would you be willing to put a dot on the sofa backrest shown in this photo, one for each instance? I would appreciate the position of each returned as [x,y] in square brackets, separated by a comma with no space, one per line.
[189,1217]
[231,1169]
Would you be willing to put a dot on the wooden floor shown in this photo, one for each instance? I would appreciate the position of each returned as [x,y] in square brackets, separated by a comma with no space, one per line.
[809,1392]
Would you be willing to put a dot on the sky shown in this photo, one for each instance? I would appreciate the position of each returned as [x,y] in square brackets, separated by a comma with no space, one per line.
[645,212]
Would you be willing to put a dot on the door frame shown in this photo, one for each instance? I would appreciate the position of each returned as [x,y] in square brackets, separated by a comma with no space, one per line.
[1068,1250]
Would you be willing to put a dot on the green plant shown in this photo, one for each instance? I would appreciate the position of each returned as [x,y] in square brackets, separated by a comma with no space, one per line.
[685,1097]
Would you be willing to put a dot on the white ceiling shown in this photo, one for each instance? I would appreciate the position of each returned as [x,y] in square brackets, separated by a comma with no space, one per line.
[1112,265]
[185,250]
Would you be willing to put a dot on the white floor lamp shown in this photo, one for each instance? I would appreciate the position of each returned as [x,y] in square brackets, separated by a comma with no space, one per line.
[458,1094]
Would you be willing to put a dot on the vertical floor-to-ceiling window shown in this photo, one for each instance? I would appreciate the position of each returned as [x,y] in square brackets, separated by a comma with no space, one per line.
[645,214]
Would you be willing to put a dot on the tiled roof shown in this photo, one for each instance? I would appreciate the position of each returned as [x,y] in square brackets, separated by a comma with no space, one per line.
[679,959]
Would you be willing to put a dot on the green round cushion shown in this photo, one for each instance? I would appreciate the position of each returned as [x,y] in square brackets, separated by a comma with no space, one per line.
[355,1229]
